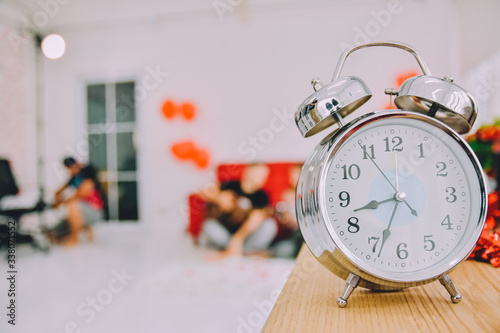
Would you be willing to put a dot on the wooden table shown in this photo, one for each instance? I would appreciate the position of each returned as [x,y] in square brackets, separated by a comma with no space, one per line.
[307,303]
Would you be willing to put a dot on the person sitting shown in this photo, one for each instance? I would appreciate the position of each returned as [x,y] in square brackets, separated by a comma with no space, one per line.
[85,206]
[289,240]
[239,218]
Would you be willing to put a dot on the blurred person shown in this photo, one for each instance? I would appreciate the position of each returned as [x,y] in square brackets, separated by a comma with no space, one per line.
[85,205]
[289,240]
[239,217]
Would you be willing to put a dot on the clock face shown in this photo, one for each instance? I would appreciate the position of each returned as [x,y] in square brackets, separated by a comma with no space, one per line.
[402,198]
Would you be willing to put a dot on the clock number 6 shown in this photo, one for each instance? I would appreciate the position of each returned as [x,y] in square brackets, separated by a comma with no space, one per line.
[402,253]
[353,225]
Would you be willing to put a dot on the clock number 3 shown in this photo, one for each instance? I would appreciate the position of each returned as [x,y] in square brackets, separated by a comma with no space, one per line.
[451,198]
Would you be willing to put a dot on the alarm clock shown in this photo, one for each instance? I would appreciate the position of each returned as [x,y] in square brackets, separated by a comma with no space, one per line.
[394,198]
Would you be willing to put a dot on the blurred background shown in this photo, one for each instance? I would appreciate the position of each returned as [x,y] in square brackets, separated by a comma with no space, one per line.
[166,99]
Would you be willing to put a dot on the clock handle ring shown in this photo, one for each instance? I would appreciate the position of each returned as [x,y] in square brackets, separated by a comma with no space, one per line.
[406,47]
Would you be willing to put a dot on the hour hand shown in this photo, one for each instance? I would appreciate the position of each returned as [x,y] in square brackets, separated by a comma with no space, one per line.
[373,204]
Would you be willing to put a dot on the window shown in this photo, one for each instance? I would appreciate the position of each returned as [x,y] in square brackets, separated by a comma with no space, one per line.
[112,151]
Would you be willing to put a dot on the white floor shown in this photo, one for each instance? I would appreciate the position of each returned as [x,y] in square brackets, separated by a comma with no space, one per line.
[163,285]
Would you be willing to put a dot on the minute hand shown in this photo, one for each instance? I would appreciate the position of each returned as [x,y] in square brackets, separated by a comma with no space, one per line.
[387,231]
[413,211]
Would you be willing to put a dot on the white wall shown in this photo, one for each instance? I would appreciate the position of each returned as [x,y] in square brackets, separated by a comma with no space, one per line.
[17,107]
[259,58]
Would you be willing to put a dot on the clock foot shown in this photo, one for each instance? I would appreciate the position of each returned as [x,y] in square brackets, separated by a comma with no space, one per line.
[450,288]
[351,284]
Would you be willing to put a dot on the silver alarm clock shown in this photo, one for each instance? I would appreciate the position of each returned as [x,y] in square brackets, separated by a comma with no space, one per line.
[394,198]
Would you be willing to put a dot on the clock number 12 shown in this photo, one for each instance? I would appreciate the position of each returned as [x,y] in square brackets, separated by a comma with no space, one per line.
[397,141]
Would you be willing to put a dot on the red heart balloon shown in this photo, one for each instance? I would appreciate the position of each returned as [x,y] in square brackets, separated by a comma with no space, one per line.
[184,150]
[168,109]
[202,158]
[188,110]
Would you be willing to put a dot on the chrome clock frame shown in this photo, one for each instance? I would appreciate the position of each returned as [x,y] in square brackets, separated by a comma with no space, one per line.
[321,239]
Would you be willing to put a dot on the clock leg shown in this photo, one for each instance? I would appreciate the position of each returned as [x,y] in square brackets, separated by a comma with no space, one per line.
[351,284]
[450,288]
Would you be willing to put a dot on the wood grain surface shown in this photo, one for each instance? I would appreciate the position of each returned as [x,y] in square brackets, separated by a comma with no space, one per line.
[307,303]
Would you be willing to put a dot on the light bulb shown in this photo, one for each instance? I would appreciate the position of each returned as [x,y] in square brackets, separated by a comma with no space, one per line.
[53,46]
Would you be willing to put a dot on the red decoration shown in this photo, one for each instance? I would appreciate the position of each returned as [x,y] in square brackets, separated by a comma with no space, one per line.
[187,110]
[187,150]
[389,107]
[168,109]
[405,76]
[488,246]
[201,158]
[184,150]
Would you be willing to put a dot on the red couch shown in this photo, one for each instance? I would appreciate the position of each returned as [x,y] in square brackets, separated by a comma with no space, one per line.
[277,183]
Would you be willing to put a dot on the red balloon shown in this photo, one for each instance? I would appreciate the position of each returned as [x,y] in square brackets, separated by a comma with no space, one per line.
[184,150]
[188,110]
[168,109]
[405,76]
[202,158]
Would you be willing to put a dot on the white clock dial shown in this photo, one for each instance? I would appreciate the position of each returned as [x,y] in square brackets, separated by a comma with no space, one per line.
[400,195]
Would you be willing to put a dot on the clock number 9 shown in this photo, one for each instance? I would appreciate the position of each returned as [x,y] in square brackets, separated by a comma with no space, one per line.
[345,198]
[353,225]
[402,253]
[441,166]
[451,198]
[397,141]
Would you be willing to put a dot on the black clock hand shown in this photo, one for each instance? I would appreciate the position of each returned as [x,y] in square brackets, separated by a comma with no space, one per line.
[387,232]
[374,204]
[397,173]
[413,211]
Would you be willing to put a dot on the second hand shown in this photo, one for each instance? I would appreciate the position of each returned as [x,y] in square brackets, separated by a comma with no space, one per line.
[413,211]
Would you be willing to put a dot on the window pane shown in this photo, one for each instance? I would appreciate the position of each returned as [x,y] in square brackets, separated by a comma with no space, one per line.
[125,152]
[97,151]
[125,102]
[96,104]
[127,201]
